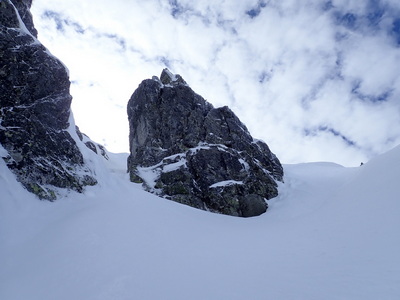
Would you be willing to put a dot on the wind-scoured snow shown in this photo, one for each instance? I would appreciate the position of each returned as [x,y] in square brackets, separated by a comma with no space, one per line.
[22,28]
[151,174]
[332,233]
[225,183]
[174,166]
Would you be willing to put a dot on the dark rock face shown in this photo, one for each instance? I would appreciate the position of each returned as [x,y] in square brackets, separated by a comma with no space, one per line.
[96,148]
[184,149]
[35,109]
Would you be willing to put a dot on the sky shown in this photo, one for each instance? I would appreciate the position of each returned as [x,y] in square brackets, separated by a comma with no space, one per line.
[316,80]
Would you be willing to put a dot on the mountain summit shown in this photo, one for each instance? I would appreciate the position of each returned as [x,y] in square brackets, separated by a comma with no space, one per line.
[184,149]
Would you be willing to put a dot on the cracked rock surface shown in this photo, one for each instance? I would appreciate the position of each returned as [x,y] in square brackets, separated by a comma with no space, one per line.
[35,109]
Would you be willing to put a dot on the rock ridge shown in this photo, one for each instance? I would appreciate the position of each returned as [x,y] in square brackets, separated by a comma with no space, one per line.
[35,119]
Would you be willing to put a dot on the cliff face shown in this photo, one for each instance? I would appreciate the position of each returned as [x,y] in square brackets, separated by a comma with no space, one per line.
[184,149]
[35,109]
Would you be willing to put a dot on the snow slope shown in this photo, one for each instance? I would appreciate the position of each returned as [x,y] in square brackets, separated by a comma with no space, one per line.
[333,233]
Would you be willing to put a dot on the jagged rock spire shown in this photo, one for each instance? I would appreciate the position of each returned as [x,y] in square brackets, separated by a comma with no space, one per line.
[167,77]
[184,149]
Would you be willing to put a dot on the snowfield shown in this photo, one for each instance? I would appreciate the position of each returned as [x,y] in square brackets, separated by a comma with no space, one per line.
[332,233]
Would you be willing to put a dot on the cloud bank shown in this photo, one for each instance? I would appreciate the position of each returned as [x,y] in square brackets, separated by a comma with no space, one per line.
[317,80]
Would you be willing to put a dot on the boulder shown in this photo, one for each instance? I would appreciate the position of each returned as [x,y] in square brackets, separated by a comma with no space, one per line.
[184,149]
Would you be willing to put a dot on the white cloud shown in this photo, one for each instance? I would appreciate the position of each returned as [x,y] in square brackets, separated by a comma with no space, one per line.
[300,75]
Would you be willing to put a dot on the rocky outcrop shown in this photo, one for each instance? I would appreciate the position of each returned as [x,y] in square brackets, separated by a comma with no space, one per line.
[96,148]
[184,149]
[35,109]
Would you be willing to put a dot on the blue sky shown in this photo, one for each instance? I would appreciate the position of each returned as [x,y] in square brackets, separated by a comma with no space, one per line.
[316,80]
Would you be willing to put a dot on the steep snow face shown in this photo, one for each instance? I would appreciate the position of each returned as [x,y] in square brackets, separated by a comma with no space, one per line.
[332,233]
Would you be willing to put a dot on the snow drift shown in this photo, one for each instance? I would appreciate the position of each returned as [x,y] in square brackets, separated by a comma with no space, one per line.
[331,234]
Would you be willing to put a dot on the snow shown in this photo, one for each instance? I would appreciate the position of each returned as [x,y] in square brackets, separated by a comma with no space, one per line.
[22,28]
[332,233]
[207,146]
[150,175]
[225,183]
[174,166]
[245,165]
[3,152]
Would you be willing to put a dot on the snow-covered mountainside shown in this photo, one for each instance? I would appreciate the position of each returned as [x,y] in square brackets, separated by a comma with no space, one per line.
[332,233]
